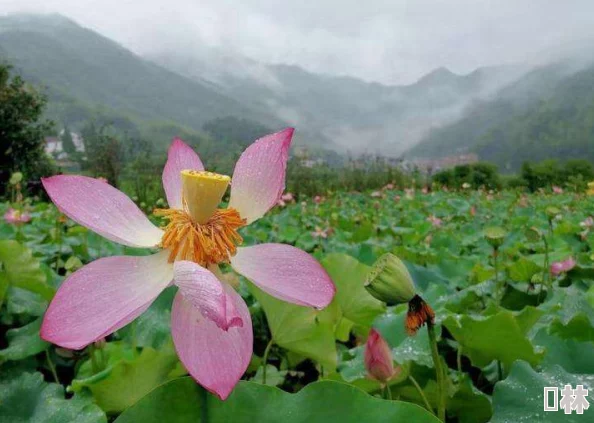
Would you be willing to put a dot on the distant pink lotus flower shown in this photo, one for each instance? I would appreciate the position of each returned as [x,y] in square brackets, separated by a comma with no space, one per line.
[318,199]
[285,198]
[564,266]
[473,211]
[210,323]
[425,190]
[378,358]
[16,217]
[557,190]
[321,233]
[588,222]
[397,198]
[376,194]
[388,187]
[435,221]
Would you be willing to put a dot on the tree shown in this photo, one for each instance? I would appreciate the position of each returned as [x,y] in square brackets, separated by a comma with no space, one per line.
[67,142]
[22,129]
[105,152]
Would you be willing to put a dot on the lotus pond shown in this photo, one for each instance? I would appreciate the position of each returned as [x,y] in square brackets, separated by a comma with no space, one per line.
[508,275]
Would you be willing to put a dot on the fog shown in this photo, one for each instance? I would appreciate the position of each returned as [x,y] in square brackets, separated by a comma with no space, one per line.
[393,42]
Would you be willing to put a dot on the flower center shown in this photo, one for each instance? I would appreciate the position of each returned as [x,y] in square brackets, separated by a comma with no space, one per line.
[201,232]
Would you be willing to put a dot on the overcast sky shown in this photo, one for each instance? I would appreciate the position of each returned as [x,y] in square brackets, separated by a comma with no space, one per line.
[391,41]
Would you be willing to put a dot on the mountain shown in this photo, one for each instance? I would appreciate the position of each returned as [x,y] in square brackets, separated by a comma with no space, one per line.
[86,74]
[547,113]
[356,115]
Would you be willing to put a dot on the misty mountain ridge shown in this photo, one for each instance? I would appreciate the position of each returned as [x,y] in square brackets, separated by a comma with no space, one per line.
[85,73]
[547,113]
[441,114]
[358,116]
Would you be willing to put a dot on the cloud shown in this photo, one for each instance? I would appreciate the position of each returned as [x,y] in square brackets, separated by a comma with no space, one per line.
[388,41]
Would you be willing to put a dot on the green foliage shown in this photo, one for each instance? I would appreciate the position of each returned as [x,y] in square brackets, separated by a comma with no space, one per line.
[127,375]
[475,175]
[67,142]
[26,398]
[105,152]
[573,173]
[520,396]
[490,315]
[318,402]
[365,173]
[22,129]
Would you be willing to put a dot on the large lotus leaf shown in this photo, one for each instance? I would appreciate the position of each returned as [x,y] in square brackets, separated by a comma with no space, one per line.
[26,398]
[522,270]
[520,397]
[469,404]
[129,375]
[572,316]
[302,330]
[153,327]
[574,356]
[182,401]
[23,342]
[349,277]
[404,347]
[501,336]
[22,270]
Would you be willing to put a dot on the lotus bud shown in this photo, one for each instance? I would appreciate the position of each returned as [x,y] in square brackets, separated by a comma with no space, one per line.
[16,178]
[552,212]
[533,234]
[495,235]
[378,358]
[389,281]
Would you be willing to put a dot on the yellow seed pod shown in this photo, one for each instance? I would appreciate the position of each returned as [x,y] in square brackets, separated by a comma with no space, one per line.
[202,192]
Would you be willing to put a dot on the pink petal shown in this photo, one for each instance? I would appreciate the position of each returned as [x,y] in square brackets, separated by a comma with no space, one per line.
[104,296]
[204,290]
[215,358]
[180,157]
[259,176]
[103,209]
[285,272]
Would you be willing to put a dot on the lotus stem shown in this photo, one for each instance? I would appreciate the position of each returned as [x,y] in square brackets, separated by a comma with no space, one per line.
[421,393]
[265,360]
[439,372]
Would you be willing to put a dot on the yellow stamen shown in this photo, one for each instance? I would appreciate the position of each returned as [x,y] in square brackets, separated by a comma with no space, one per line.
[209,243]
[202,192]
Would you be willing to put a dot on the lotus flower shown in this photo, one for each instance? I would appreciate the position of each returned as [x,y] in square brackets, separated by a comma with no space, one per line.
[285,198]
[559,267]
[378,358]
[435,221]
[321,233]
[16,217]
[210,323]
[557,190]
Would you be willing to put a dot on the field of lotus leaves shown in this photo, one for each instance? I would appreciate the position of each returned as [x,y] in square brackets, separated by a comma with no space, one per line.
[509,276]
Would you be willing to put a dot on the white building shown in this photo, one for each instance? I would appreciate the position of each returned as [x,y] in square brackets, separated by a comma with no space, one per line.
[54,147]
